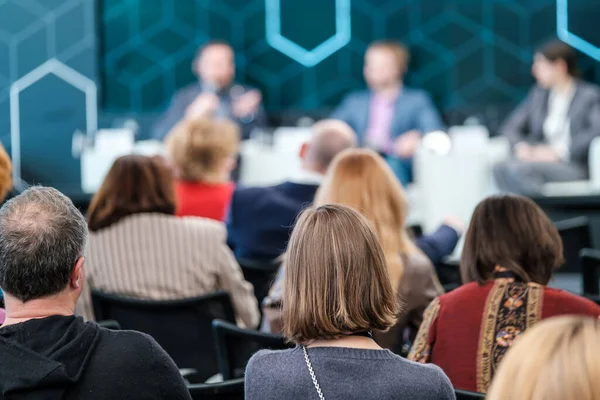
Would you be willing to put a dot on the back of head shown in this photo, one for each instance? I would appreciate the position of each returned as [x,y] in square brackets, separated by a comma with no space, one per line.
[134,184]
[199,148]
[330,137]
[42,235]
[556,359]
[512,232]
[337,277]
[361,179]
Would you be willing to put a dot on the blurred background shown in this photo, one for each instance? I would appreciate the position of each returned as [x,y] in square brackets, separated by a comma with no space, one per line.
[472,56]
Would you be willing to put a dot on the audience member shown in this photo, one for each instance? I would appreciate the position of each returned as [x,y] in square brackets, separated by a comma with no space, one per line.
[338,292]
[511,249]
[552,129]
[260,217]
[47,352]
[215,94]
[359,178]
[390,117]
[555,360]
[139,249]
[204,154]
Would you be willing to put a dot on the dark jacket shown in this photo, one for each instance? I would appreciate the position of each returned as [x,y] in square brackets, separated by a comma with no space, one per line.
[186,96]
[260,218]
[62,357]
[526,123]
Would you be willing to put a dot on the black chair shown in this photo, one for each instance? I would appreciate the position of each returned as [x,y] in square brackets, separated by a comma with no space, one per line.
[260,274]
[465,395]
[590,265]
[182,327]
[235,346]
[228,390]
[576,235]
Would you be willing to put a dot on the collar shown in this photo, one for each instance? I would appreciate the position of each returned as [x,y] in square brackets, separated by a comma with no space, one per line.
[307,177]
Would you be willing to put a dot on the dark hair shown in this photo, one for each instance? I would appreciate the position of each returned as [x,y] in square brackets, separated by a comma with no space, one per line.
[555,50]
[42,235]
[512,232]
[134,184]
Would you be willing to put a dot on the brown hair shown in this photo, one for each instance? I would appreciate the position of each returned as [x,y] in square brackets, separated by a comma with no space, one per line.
[512,232]
[198,148]
[555,50]
[398,49]
[336,280]
[361,179]
[134,184]
[556,359]
[6,183]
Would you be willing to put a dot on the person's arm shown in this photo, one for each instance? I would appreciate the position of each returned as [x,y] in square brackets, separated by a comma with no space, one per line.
[231,279]
[423,344]
[428,118]
[174,114]
[439,244]
[166,379]
[581,140]
[516,126]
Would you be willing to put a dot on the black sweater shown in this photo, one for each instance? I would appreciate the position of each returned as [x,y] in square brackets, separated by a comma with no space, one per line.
[65,358]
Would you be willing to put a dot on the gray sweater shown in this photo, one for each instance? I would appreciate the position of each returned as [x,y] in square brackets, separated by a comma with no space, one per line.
[343,373]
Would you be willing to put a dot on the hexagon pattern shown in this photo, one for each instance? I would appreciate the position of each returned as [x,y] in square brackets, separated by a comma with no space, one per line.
[464,52]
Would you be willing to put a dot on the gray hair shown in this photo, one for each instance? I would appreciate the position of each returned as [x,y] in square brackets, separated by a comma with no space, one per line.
[42,235]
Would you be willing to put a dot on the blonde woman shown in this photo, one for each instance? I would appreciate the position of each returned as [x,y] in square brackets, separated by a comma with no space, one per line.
[204,153]
[557,359]
[339,292]
[361,179]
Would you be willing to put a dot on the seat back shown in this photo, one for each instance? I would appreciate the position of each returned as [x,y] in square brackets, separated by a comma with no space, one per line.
[590,265]
[228,390]
[260,274]
[235,346]
[182,327]
[466,395]
[576,235]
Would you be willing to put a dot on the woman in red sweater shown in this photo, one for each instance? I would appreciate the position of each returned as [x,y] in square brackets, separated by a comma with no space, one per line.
[510,252]
[203,153]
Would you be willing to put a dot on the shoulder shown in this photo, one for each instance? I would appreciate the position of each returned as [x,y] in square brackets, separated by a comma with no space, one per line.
[200,225]
[425,377]
[270,361]
[126,343]
[467,291]
[245,193]
[415,94]
[589,89]
[356,96]
[564,302]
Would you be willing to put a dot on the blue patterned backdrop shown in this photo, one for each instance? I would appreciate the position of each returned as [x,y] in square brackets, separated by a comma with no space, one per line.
[465,52]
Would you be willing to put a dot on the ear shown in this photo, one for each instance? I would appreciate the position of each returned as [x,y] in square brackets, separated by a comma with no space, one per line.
[303,150]
[77,278]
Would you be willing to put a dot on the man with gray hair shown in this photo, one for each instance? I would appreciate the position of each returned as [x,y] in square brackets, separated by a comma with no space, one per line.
[258,226]
[45,351]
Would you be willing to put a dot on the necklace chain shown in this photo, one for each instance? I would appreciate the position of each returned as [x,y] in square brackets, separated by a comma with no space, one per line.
[312,374]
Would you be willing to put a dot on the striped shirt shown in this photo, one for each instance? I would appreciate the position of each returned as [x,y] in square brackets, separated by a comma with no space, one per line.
[162,257]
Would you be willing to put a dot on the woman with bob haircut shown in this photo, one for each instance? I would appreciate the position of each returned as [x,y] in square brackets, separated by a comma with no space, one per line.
[138,248]
[361,179]
[555,360]
[511,249]
[337,290]
[203,153]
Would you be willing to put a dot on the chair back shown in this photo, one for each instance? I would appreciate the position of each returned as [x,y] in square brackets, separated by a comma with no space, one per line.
[466,395]
[260,274]
[590,265]
[228,390]
[576,235]
[182,327]
[235,346]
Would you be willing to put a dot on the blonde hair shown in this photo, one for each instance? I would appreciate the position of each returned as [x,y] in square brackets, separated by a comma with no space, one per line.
[361,179]
[336,280]
[198,148]
[556,359]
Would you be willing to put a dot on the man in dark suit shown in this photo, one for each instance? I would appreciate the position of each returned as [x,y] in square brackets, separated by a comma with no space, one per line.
[215,94]
[551,131]
[260,218]
[390,117]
